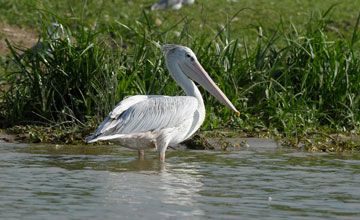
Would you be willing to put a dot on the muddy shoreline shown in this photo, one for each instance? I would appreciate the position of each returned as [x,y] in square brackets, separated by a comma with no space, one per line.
[332,143]
[198,142]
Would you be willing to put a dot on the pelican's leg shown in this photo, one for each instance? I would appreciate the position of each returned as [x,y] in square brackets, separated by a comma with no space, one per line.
[141,154]
[161,145]
[162,151]
[162,156]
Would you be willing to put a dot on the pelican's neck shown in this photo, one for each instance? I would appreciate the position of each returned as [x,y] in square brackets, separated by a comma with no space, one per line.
[186,84]
[191,90]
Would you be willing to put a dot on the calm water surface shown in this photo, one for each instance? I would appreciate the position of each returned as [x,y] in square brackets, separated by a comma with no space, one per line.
[106,182]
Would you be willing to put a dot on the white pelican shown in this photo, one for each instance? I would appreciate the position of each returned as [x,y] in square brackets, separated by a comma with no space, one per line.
[188,2]
[155,121]
[172,4]
[52,33]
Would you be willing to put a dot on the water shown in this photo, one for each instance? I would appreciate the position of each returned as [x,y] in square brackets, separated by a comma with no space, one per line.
[106,182]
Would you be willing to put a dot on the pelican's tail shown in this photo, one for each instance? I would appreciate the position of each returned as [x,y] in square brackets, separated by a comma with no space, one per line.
[98,137]
[91,139]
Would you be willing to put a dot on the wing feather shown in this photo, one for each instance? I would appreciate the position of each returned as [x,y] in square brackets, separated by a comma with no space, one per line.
[146,113]
[116,112]
[128,102]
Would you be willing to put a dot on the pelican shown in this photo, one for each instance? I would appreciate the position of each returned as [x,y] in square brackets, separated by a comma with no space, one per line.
[52,34]
[172,4]
[188,2]
[143,122]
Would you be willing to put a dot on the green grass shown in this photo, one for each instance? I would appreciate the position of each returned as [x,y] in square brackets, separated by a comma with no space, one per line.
[289,75]
[204,18]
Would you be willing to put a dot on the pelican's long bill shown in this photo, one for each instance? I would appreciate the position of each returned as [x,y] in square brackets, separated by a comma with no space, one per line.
[195,71]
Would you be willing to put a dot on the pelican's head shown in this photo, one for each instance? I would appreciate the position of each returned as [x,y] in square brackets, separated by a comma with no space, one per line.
[53,31]
[190,66]
[179,53]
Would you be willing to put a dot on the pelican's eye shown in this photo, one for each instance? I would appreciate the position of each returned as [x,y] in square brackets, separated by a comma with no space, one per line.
[190,57]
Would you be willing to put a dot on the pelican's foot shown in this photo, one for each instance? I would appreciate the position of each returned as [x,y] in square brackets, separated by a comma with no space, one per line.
[141,154]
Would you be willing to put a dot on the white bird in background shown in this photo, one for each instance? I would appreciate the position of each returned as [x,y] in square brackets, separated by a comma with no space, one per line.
[155,121]
[172,4]
[52,33]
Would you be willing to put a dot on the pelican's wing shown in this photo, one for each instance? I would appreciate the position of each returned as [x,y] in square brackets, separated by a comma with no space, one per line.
[127,103]
[146,113]
[111,121]
[162,4]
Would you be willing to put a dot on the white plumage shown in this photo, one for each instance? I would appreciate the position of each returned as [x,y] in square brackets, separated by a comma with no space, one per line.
[154,121]
[171,4]
[140,114]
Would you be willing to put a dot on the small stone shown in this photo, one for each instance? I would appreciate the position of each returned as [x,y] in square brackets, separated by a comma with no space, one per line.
[158,22]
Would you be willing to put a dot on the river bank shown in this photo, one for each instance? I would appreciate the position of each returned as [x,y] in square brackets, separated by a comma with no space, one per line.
[219,140]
